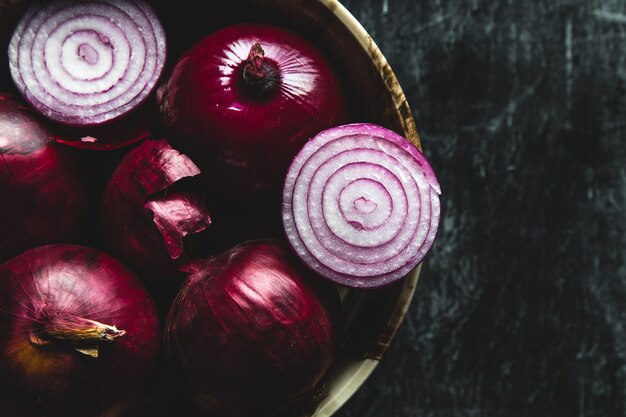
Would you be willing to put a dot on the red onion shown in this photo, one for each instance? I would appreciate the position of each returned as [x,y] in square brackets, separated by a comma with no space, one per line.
[86,63]
[42,195]
[79,335]
[244,100]
[361,205]
[252,330]
[133,127]
[145,220]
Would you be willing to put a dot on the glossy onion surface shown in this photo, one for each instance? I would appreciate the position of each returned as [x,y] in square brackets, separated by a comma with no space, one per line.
[79,336]
[43,198]
[144,221]
[252,330]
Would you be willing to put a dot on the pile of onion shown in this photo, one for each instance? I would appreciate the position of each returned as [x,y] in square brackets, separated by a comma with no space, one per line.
[79,335]
[361,205]
[87,63]
[251,111]
[244,100]
[43,197]
[252,331]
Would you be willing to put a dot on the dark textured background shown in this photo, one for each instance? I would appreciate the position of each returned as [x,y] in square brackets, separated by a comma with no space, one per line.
[520,308]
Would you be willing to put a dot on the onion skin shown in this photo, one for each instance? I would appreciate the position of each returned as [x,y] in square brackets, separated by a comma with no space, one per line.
[361,205]
[252,331]
[44,374]
[87,63]
[249,135]
[132,128]
[143,222]
[42,196]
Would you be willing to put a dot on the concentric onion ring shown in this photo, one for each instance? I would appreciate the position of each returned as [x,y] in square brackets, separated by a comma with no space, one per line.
[361,205]
[86,63]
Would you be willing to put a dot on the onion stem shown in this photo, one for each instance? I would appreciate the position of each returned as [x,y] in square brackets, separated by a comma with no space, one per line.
[254,63]
[260,76]
[81,333]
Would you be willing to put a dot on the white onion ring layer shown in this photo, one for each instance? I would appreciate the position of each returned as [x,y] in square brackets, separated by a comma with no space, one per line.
[86,63]
[361,205]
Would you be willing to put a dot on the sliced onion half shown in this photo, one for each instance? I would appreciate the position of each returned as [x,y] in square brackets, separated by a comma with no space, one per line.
[361,205]
[86,63]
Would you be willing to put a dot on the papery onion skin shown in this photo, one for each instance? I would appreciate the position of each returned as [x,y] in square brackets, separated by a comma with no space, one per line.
[87,63]
[252,331]
[143,222]
[244,133]
[42,376]
[361,205]
[43,197]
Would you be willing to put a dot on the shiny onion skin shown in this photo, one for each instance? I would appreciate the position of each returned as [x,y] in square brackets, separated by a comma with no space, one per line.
[361,205]
[252,331]
[79,335]
[247,128]
[42,195]
[87,63]
[133,127]
[143,220]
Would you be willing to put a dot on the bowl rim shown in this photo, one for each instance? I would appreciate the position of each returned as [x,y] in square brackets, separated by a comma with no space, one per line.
[355,373]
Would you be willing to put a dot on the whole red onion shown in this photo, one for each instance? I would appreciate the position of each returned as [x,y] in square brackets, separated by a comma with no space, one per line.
[144,219]
[42,195]
[244,100]
[253,331]
[79,335]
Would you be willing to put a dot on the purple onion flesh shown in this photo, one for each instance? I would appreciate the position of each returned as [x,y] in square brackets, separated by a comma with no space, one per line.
[361,205]
[86,63]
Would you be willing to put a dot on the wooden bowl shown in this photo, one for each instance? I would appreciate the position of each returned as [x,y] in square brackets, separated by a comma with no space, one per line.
[375,96]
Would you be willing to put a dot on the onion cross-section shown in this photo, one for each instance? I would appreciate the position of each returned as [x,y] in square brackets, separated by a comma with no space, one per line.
[361,205]
[86,63]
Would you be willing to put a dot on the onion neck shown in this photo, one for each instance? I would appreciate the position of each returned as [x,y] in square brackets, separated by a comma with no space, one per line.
[260,77]
[84,335]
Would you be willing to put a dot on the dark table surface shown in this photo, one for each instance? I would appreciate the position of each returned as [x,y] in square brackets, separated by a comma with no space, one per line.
[520,309]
